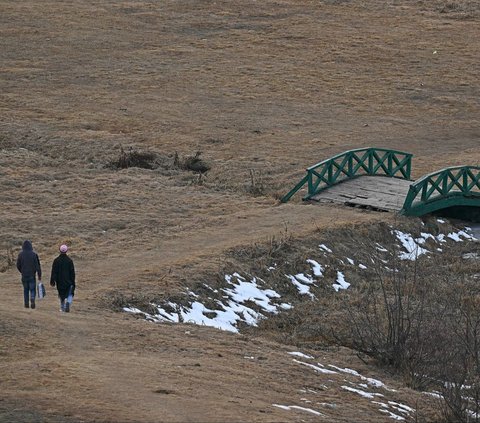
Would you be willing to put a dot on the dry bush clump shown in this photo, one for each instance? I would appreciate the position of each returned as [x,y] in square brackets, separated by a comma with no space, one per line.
[193,163]
[7,258]
[134,158]
[453,9]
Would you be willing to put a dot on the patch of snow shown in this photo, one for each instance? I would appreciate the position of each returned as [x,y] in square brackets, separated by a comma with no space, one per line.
[381,248]
[401,407]
[413,249]
[341,283]
[364,394]
[302,278]
[325,248]
[296,407]
[454,236]
[249,291]
[317,268]
[302,289]
[440,221]
[285,306]
[373,382]
[300,354]
[318,368]
[362,266]
[351,261]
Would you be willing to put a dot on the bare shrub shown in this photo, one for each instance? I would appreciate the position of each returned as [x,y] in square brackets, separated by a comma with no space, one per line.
[458,365]
[193,163]
[256,187]
[9,259]
[133,158]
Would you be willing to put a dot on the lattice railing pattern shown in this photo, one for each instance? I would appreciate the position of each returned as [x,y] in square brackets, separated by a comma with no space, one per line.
[351,164]
[451,186]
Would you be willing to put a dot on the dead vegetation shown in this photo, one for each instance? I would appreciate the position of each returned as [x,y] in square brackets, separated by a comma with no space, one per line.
[264,89]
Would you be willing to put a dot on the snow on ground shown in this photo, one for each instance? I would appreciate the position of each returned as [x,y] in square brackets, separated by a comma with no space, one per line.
[299,354]
[296,407]
[325,248]
[248,300]
[341,283]
[317,268]
[320,368]
[348,380]
[362,393]
[370,381]
[412,246]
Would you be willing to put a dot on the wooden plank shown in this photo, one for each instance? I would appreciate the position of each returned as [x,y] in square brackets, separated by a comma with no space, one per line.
[368,191]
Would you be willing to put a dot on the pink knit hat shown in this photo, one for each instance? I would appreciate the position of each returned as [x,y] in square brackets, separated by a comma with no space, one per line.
[63,248]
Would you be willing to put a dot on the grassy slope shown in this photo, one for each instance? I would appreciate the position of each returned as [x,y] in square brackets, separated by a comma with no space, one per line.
[269,87]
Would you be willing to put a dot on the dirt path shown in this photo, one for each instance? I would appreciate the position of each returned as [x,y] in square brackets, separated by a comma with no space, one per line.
[117,368]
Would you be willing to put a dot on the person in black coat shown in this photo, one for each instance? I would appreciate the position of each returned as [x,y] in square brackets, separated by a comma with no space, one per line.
[28,264]
[63,275]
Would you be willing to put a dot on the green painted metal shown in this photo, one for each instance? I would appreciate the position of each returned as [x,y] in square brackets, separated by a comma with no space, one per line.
[452,186]
[351,164]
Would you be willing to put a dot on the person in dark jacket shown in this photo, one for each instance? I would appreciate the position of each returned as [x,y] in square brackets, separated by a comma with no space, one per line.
[28,264]
[63,275]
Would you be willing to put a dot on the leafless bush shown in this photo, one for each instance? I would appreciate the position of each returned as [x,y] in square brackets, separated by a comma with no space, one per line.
[193,163]
[9,259]
[133,158]
[256,187]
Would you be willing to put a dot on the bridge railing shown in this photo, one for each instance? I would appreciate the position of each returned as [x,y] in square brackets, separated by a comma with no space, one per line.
[452,186]
[351,164]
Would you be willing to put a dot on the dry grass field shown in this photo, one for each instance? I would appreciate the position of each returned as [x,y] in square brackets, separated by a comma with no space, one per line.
[262,89]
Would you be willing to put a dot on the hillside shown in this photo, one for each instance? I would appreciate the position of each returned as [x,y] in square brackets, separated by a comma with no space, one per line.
[262,90]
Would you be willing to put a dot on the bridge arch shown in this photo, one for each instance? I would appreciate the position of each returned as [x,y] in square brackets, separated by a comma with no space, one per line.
[352,164]
[450,187]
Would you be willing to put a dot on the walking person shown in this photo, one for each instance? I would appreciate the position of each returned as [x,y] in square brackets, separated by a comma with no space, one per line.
[28,264]
[63,275]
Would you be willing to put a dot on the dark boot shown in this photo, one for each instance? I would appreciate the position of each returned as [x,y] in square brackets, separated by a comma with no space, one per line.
[26,305]
[67,307]
[32,303]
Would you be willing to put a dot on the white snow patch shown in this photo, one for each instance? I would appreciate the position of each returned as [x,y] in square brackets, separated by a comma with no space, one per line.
[401,407]
[440,221]
[381,248]
[300,354]
[320,368]
[362,266]
[456,236]
[341,283]
[297,407]
[373,382]
[317,268]
[325,248]
[249,291]
[413,249]
[302,289]
[364,394]
[351,261]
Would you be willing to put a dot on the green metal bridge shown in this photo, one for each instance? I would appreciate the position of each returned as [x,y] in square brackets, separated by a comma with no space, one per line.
[352,178]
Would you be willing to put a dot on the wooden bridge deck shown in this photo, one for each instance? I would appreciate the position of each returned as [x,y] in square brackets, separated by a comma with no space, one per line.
[377,192]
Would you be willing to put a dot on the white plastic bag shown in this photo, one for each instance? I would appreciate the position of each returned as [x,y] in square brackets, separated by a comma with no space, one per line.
[41,290]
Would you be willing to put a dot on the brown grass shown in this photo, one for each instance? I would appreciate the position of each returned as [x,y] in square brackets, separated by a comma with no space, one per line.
[263,89]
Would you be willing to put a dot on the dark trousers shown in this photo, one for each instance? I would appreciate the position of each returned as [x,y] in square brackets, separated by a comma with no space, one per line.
[29,287]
